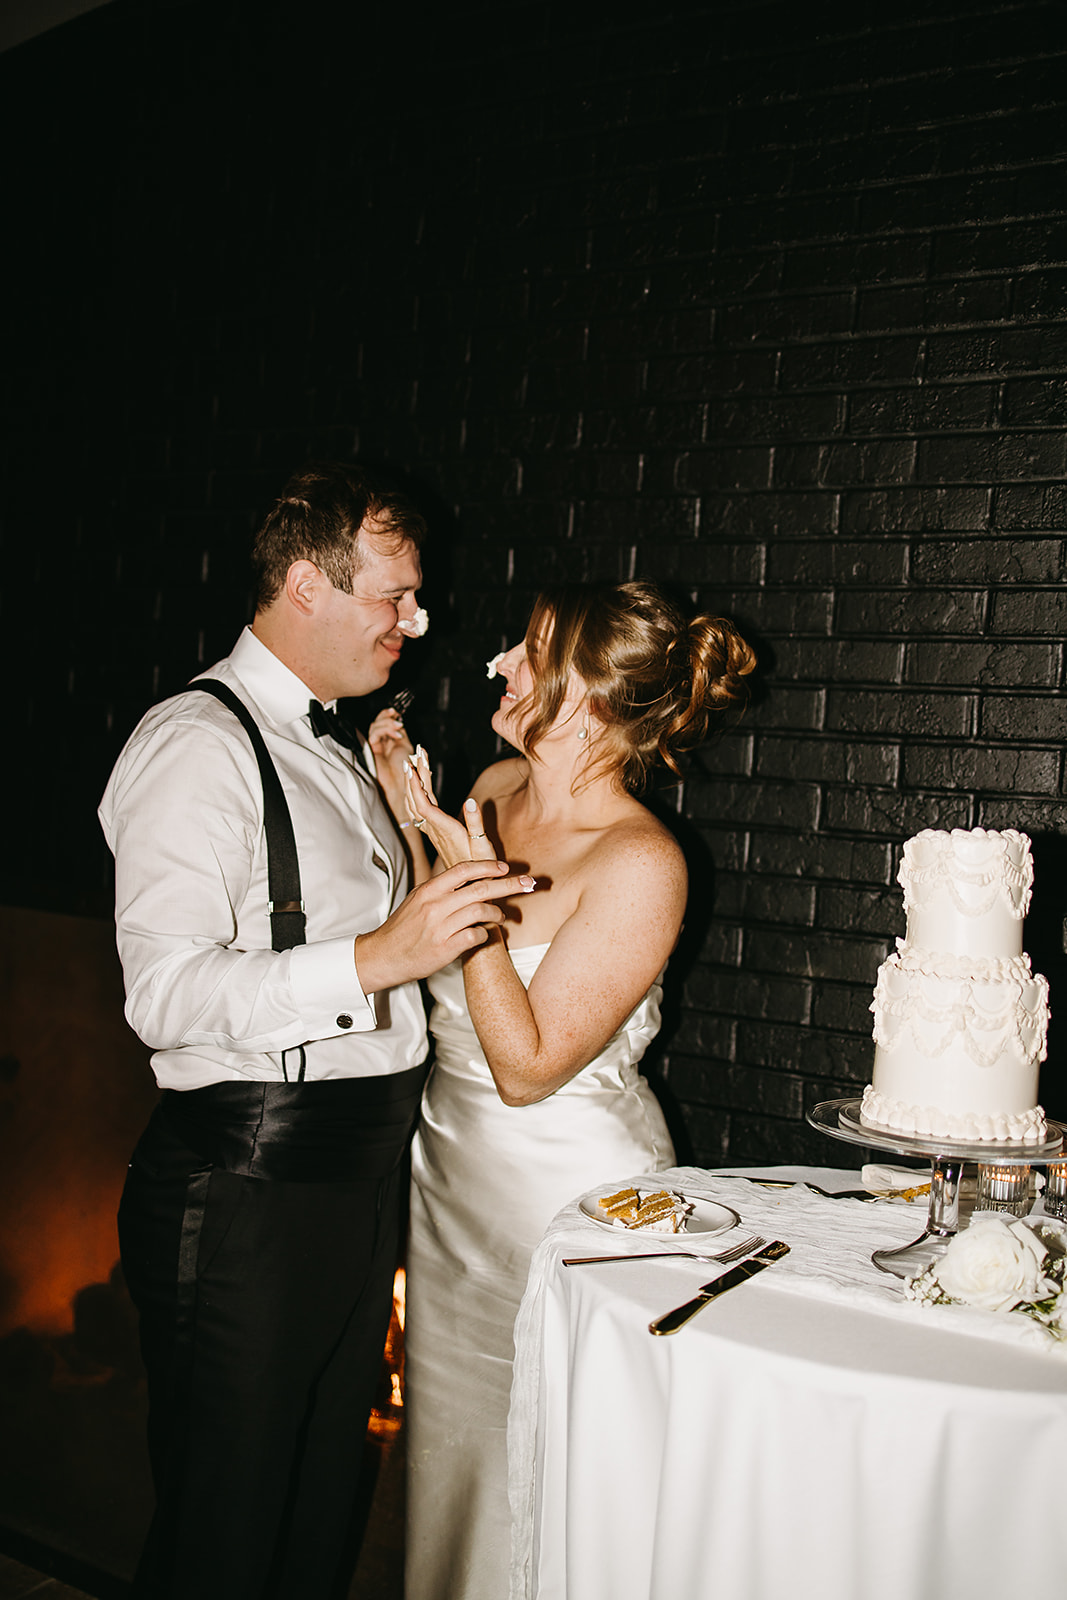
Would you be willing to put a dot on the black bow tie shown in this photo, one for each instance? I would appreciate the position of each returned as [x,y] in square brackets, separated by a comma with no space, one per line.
[331,722]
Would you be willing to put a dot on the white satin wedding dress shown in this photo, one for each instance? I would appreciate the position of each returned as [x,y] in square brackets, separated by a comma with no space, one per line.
[486,1181]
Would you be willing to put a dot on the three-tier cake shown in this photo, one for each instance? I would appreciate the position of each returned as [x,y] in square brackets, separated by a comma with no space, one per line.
[960,1020]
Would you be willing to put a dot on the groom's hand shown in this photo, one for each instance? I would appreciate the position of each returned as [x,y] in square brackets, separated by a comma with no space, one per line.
[437,922]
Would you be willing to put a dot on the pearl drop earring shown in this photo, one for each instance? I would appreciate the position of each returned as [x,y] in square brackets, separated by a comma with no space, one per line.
[583,731]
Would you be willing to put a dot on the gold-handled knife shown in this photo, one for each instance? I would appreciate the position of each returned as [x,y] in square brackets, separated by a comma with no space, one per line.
[671,1321]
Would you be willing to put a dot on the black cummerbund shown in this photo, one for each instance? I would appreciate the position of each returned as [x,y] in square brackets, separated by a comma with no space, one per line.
[330,1130]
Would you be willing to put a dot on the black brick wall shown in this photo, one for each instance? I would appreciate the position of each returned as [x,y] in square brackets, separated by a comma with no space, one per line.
[763,300]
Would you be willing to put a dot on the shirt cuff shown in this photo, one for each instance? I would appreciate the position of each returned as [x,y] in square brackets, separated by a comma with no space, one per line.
[326,989]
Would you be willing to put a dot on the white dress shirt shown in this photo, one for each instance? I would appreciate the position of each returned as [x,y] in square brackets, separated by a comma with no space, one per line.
[183,815]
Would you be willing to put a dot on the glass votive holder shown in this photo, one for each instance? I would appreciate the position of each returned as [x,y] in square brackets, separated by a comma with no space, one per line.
[1055,1196]
[1003,1189]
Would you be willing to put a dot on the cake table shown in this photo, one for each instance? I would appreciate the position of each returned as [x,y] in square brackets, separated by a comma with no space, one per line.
[811,1435]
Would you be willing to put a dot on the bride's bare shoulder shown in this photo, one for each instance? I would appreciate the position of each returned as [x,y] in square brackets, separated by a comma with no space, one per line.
[501,779]
[640,842]
[635,878]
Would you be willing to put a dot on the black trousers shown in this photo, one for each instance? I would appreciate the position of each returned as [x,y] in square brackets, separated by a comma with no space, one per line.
[264,1304]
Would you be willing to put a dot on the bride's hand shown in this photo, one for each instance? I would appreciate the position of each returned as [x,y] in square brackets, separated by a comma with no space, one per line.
[392,749]
[454,841]
[480,848]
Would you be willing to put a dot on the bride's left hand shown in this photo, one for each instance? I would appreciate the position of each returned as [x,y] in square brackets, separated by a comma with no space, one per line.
[392,749]
[454,841]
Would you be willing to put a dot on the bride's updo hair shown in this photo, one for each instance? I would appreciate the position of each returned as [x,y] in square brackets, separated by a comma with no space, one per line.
[655,680]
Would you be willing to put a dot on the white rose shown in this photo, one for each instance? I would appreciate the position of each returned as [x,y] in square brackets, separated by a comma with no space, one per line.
[995,1264]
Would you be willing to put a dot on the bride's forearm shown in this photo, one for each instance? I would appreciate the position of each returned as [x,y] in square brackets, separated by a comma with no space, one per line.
[394,793]
[421,867]
[506,1026]
[414,843]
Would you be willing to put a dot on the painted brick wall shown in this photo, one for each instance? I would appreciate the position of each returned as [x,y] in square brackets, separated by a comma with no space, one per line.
[764,301]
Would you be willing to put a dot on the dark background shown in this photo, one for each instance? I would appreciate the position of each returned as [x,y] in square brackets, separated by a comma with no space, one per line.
[762,300]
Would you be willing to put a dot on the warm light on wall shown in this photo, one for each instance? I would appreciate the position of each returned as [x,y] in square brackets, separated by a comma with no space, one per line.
[386,1416]
[75,1092]
[58,1239]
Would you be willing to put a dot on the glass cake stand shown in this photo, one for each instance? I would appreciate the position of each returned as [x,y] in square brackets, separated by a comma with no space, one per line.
[841,1120]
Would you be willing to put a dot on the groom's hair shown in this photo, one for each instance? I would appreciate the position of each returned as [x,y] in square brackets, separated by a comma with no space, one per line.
[319,517]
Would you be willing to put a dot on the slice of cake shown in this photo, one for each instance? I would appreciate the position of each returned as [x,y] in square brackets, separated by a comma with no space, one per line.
[660,1212]
[656,1208]
[960,1020]
[620,1207]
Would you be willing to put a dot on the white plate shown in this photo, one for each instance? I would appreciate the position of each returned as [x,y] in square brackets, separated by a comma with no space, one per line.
[707,1216]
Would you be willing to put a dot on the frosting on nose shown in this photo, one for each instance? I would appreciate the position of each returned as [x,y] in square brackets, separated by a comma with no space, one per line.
[417,625]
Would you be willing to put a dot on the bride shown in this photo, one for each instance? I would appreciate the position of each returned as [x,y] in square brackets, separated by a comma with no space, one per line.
[535,1095]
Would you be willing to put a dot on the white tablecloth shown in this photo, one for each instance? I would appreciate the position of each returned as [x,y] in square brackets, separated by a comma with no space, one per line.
[811,1436]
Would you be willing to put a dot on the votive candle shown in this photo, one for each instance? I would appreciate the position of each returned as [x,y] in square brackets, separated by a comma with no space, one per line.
[1003,1189]
[1056,1189]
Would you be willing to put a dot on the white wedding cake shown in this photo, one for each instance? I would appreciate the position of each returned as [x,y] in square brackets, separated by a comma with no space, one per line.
[960,1020]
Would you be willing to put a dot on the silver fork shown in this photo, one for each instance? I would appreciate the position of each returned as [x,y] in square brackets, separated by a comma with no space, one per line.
[734,1253]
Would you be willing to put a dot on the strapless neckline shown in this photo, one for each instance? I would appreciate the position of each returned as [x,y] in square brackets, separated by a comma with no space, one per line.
[539,950]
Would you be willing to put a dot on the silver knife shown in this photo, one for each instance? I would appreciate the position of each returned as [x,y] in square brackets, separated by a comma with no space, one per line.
[796,1183]
[671,1321]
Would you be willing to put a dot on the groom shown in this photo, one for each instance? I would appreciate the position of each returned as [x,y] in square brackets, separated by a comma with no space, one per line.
[259,1223]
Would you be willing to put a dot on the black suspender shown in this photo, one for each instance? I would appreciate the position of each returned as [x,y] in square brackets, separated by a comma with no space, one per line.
[285,905]
[287,919]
